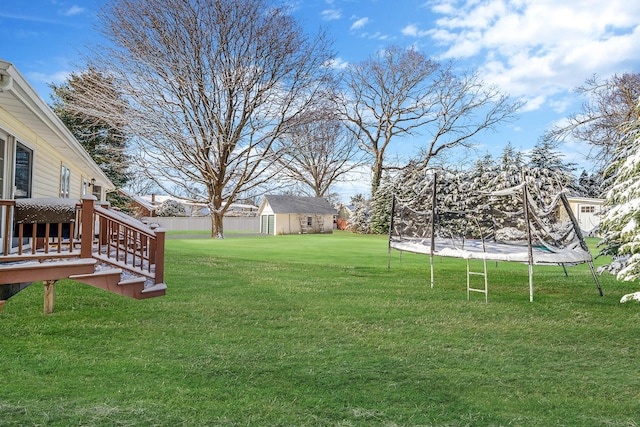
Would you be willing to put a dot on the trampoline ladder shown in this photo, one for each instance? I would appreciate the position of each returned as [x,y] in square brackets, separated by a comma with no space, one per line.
[483,273]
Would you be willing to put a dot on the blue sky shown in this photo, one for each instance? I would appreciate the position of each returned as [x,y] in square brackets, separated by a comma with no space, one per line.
[536,51]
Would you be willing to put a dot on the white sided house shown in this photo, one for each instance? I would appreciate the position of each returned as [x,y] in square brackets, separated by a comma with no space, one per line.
[39,157]
[52,224]
[295,215]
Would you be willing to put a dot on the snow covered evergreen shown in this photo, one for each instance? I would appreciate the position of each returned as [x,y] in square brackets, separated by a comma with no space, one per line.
[462,194]
[620,226]
[171,207]
[360,220]
[590,184]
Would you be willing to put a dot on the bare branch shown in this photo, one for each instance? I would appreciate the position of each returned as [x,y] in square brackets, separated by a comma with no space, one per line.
[210,86]
[319,151]
[400,92]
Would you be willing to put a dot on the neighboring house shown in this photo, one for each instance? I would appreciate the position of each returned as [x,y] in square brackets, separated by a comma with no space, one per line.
[48,219]
[344,214]
[295,215]
[140,206]
[145,206]
[242,209]
[588,212]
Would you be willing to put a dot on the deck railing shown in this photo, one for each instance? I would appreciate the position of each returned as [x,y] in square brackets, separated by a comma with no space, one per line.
[35,240]
[96,232]
[122,241]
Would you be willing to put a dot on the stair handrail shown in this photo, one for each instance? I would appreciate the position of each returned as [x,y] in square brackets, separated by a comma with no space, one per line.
[92,213]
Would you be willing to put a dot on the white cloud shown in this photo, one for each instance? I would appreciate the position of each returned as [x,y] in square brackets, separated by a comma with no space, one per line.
[537,48]
[412,30]
[533,103]
[359,23]
[56,77]
[337,63]
[561,105]
[74,10]
[331,14]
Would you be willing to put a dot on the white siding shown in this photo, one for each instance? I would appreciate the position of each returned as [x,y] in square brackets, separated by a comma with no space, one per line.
[46,160]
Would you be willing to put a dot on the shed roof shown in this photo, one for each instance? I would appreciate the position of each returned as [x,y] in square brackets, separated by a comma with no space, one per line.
[299,205]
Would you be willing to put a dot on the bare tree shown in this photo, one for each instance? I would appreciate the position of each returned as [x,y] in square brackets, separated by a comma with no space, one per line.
[210,86]
[386,95]
[400,92]
[609,104]
[464,106]
[319,151]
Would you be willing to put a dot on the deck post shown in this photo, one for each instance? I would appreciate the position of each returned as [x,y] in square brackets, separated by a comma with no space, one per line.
[87,232]
[159,255]
[49,296]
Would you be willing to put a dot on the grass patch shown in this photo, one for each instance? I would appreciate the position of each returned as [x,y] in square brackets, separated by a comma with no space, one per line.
[314,331]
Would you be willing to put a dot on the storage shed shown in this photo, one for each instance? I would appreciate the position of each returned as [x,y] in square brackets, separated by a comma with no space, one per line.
[588,212]
[295,215]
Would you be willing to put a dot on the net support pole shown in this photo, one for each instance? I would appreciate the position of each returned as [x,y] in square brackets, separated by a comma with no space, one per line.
[393,209]
[525,202]
[433,224]
[583,244]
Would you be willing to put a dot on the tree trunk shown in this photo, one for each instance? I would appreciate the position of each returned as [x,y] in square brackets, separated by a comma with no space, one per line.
[217,229]
[377,177]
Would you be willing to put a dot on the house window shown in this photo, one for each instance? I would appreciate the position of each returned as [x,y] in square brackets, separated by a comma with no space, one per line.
[587,209]
[85,186]
[309,221]
[24,167]
[65,182]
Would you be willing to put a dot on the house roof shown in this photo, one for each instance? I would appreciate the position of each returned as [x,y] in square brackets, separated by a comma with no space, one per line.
[298,205]
[581,199]
[20,100]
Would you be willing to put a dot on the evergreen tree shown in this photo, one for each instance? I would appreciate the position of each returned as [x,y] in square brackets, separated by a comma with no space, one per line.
[171,208]
[508,174]
[104,143]
[583,184]
[381,202]
[590,185]
[359,221]
[509,169]
[620,226]
[548,173]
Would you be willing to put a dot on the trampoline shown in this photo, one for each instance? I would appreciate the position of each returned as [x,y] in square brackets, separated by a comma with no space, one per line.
[504,226]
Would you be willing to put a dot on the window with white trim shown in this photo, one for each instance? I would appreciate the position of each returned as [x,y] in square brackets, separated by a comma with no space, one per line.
[24,172]
[65,182]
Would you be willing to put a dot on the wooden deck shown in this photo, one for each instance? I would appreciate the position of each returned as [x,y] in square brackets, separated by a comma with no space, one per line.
[45,240]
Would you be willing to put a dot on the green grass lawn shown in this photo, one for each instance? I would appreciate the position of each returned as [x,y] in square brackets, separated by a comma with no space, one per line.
[314,331]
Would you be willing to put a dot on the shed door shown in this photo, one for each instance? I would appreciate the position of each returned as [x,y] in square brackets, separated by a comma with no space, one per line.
[588,217]
[267,226]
